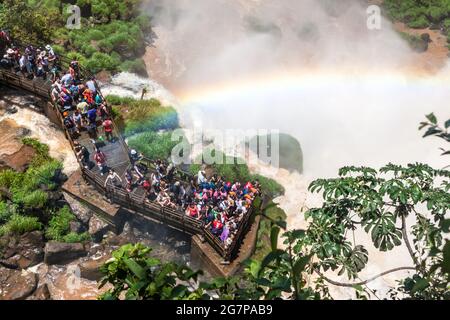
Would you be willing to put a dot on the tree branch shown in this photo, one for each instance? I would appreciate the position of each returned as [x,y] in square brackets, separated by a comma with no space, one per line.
[343,284]
[408,244]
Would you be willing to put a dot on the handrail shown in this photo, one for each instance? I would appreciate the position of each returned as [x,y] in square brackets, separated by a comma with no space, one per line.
[176,218]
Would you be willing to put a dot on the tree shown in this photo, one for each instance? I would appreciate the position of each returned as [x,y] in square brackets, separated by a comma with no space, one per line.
[28,24]
[380,202]
[376,201]
[433,129]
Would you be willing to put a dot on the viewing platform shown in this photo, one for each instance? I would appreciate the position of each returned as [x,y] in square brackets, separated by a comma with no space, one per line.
[87,185]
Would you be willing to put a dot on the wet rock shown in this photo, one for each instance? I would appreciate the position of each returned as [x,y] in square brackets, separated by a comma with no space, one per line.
[18,161]
[62,253]
[90,269]
[115,240]
[11,110]
[95,249]
[24,251]
[97,228]
[82,213]
[23,132]
[15,155]
[76,227]
[16,285]
[41,293]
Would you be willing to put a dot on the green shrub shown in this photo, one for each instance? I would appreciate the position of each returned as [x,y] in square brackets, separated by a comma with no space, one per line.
[6,211]
[75,237]
[8,178]
[95,34]
[135,66]
[101,61]
[263,244]
[59,224]
[72,55]
[118,100]
[269,186]
[419,23]
[153,145]
[19,224]
[437,14]
[146,115]
[34,200]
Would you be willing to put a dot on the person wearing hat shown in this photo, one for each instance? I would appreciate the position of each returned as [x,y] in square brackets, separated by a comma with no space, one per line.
[50,50]
[44,61]
[134,156]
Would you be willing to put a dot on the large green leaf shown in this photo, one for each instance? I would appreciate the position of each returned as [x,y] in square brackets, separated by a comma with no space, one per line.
[274,237]
[432,118]
[420,285]
[272,256]
[135,268]
[301,263]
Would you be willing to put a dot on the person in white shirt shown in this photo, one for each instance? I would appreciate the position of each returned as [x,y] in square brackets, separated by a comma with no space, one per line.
[115,179]
[201,177]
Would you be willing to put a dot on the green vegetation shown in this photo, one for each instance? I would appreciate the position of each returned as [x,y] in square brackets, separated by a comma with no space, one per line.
[112,39]
[25,201]
[59,227]
[153,145]
[19,224]
[147,123]
[417,43]
[271,213]
[142,116]
[421,14]
[380,203]
[25,23]
[435,130]
[28,190]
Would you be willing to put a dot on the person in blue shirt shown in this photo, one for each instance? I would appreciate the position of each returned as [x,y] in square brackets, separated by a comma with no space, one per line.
[92,115]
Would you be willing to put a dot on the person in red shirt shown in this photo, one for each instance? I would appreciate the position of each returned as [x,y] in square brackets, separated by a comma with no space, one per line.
[108,127]
[192,211]
[100,159]
[217,226]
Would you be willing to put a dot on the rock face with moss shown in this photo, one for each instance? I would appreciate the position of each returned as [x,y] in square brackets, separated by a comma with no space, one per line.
[290,150]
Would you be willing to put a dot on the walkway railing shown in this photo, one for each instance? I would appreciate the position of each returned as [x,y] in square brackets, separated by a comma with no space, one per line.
[175,218]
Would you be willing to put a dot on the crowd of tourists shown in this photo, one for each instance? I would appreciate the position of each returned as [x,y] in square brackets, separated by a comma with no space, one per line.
[219,204]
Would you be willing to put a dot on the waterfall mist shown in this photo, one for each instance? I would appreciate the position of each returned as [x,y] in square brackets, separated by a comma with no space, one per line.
[311,69]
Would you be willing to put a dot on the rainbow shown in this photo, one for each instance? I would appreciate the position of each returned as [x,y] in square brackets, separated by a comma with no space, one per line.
[309,79]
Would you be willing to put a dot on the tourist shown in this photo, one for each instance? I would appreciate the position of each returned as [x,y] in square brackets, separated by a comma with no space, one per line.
[70,124]
[92,115]
[103,110]
[108,128]
[83,108]
[114,178]
[201,177]
[192,210]
[82,155]
[129,180]
[100,159]
[78,119]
